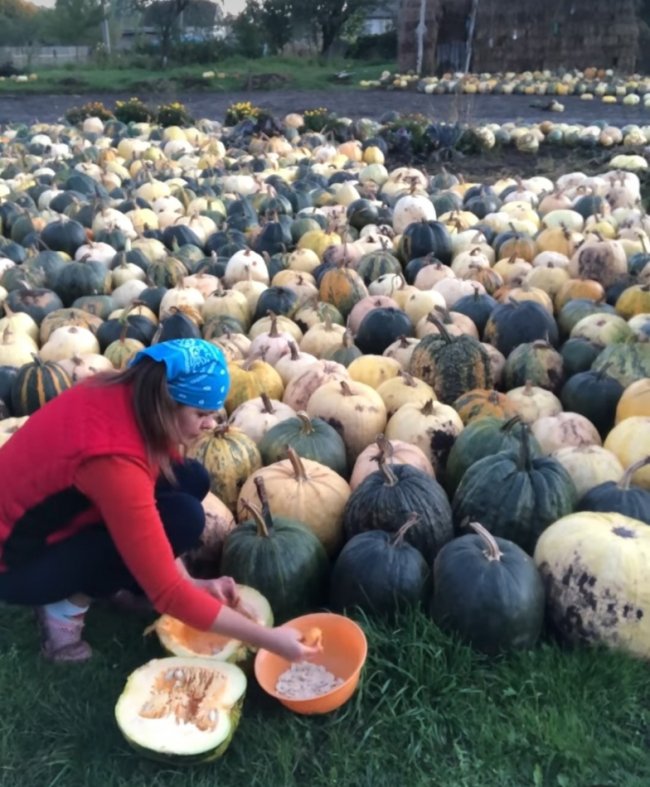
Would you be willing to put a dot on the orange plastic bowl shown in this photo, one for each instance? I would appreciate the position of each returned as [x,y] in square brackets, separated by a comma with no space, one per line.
[344,653]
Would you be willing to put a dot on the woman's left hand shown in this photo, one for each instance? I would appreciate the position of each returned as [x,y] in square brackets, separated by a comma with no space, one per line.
[223,588]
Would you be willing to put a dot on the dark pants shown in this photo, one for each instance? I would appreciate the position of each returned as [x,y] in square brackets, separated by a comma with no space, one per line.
[88,561]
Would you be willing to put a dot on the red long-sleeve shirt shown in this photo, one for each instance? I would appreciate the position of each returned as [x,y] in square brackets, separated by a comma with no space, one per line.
[85,443]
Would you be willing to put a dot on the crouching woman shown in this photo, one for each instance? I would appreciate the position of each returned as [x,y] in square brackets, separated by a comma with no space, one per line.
[96,499]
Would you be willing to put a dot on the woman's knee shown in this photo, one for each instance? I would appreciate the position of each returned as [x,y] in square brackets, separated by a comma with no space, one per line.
[184,520]
[191,478]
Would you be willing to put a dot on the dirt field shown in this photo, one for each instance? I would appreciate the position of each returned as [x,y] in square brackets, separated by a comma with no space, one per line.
[352,103]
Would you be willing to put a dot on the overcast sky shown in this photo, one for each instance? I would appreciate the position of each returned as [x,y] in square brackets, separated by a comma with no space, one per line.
[229,6]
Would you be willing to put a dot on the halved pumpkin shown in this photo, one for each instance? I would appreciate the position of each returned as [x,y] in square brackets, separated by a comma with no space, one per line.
[181,709]
[182,640]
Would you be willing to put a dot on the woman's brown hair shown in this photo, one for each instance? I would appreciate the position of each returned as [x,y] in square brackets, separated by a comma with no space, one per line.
[155,410]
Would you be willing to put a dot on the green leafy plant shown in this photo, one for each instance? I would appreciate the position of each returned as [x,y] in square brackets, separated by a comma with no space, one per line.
[240,111]
[316,119]
[76,115]
[174,114]
[134,110]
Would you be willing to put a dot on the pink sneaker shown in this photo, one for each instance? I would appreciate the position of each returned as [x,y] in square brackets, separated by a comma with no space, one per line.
[61,639]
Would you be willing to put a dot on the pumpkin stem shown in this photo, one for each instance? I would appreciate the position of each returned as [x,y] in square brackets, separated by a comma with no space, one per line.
[267,403]
[413,519]
[428,407]
[626,480]
[306,425]
[431,317]
[492,552]
[264,501]
[273,330]
[296,463]
[525,458]
[407,378]
[390,479]
[345,389]
[262,529]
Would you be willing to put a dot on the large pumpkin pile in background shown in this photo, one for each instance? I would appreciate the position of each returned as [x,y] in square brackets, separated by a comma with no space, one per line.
[435,383]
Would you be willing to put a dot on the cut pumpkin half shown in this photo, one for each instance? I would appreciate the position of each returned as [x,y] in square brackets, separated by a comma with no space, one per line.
[180,639]
[181,709]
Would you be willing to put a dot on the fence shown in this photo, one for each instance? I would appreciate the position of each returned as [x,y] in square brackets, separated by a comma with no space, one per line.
[32,56]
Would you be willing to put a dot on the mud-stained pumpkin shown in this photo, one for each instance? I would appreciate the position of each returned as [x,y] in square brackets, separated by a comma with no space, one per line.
[594,568]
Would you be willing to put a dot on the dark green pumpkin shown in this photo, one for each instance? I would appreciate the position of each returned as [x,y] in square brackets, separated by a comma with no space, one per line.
[515,322]
[380,328]
[82,277]
[514,495]
[387,497]
[279,557]
[595,395]
[35,384]
[64,235]
[489,592]
[276,299]
[46,265]
[176,235]
[7,376]
[484,437]
[361,212]
[478,307]
[578,355]
[426,237]
[176,326]
[536,363]
[166,272]
[574,310]
[380,573]
[311,438]
[626,363]
[37,302]
[621,497]
[99,305]
[273,238]
[374,264]
[129,326]
[221,324]
[346,353]
[452,365]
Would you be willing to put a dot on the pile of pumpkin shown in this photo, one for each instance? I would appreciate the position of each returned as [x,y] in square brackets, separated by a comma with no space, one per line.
[409,354]
[631,90]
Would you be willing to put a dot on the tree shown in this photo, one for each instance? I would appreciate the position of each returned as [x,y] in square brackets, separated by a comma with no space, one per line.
[76,21]
[17,22]
[165,16]
[328,18]
[276,17]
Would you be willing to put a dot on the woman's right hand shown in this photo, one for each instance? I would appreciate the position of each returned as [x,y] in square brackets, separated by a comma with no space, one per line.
[287,642]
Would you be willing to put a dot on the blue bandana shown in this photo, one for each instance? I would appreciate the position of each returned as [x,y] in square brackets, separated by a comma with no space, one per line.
[197,372]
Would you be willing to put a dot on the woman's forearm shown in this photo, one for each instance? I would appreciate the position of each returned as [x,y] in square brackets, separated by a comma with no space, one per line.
[234,624]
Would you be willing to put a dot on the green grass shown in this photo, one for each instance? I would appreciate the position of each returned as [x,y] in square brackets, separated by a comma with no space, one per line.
[300,74]
[428,712]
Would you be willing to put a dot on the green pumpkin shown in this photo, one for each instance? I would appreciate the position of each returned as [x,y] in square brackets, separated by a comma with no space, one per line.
[515,495]
[374,264]
[452,365]
[626,363]
[515,322]
[621,497]
[489,592]
[387,497]
[166,272]
[421,238]
[578,355]
[311,438]
[346,353]
[64,235]
[35,384]
[380,573]
[595,395]
[221,324]
[576,309]
[82,277]
[279,557]
[37,302]
[481,438]
[276,299]
[536,363]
